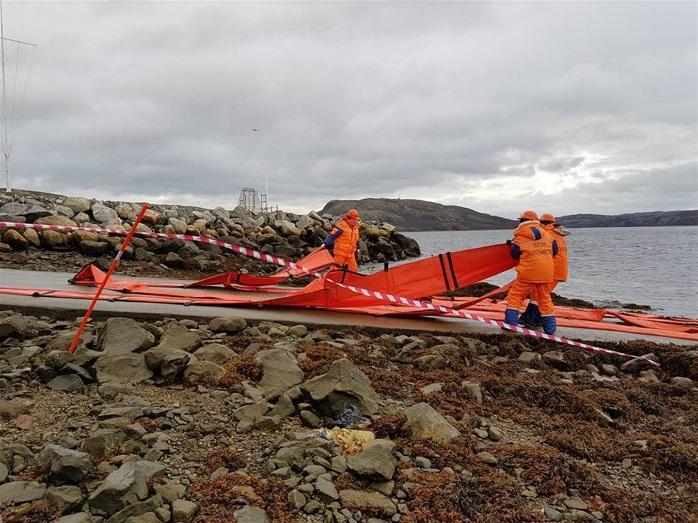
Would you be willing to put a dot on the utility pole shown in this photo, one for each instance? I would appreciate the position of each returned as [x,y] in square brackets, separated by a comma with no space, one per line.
[6,145]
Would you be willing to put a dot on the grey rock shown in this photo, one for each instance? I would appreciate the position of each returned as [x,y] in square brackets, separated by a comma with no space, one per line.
[13,326]
[326,489]
[215,352]
[76,204]
[250,514]
[426,423]
[66,498]
[529,357]
[67,383]
[123,336]
[472,391]
[80,517]
[367,501]
[104,443]
[375,461]
[228,324]
[126,486]
[174,364]
[184,511]
[430,362]
[638,364]
[344,384]
[179,337]
[17,492]
[65,464]
[487,458]
[203,373]
[102,214]
[552,513]
[170,491]
[280,369]
[57,359]
[125,368]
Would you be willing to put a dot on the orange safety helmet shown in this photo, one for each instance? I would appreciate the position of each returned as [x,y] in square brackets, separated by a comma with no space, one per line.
[528,215]
[547,218]
[353,214]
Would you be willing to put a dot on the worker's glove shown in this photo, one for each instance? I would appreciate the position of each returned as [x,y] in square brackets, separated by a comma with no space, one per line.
[329,241]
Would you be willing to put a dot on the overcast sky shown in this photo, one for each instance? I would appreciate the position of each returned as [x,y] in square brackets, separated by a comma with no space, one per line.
[561,107]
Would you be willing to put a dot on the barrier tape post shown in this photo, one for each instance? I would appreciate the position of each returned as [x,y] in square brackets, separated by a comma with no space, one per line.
[388,298]
[112,268]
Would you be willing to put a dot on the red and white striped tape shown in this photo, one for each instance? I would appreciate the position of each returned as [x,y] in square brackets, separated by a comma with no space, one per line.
[385,297]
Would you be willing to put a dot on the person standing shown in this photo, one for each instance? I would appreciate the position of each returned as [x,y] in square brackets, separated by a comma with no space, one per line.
[561,259]
[531,317]
[345,239]
[534,248]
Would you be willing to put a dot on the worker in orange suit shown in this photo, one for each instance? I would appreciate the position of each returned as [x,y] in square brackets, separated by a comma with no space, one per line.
[534,248]
[531,316]
[345,239]
[561,259]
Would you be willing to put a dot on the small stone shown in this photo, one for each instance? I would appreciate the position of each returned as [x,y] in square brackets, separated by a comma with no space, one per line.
[310,419]
[296,499]
[326,489]
[183,511]
[422,462]
[529,357]
[552,513]
[249,514]
[487,458]
[575,502]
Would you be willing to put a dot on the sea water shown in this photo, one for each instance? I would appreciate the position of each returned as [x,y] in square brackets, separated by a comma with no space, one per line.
[655,266]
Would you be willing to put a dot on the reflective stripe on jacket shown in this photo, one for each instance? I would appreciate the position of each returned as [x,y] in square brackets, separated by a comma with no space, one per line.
[346,238]
[560,260]
[534,246]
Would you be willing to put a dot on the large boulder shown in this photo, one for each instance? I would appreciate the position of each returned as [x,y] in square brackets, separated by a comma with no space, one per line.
[17,492]
[30,211]
[14,326]
[122,368]
[228,324]
[126,486]
[204,373]
[365,501]
[280,369]
[56,220]
[215,352]
[123,336]
[286,228]
[426,423]
[77,204]
[175,338]
[65,465]
[104,442]
[375,461]
[103,214]
[342,385]
[52,239]
[15,240]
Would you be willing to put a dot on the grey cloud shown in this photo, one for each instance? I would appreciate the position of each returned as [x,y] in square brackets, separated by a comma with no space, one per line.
[358,99]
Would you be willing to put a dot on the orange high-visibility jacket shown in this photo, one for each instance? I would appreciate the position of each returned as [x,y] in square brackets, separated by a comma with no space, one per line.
[346,238]
[533,247]
[561,264]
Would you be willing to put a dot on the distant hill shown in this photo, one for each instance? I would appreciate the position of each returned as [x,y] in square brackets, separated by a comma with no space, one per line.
[638,219]
[418,215]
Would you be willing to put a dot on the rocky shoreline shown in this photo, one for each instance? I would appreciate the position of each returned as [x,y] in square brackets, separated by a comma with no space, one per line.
[284,234]
[223,420]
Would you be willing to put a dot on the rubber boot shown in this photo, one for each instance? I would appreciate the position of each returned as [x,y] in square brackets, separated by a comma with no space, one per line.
[549,324]
[511,317]
[531,316]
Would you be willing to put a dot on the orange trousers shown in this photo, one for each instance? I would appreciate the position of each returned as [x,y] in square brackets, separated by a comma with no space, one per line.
[539,292]
[347,259]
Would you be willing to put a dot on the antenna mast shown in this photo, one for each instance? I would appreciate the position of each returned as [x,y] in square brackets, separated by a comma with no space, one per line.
[6,141]
[5,151]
